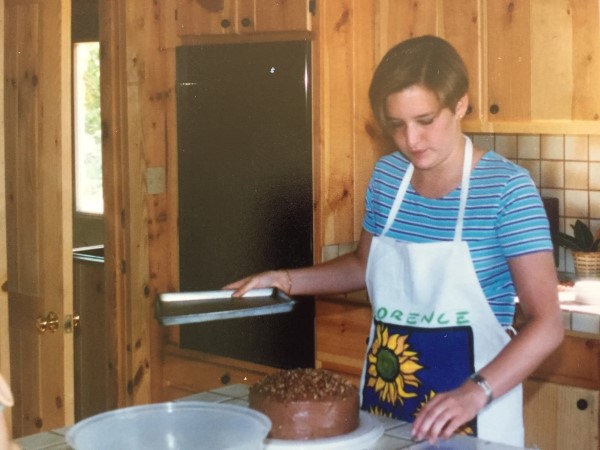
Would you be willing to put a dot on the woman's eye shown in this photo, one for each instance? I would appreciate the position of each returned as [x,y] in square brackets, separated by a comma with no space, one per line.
[428,121]
[396,125]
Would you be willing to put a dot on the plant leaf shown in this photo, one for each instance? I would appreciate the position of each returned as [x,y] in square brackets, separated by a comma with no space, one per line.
[583,235]
[567,241]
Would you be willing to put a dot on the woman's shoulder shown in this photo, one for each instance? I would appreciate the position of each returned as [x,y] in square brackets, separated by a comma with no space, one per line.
[497,177]
[394,159]
[392,165]
[494,165]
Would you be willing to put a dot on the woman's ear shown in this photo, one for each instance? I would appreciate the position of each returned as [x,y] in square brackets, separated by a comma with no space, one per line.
[461,106]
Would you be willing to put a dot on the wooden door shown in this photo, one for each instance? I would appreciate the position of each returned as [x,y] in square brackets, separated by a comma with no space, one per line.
[39,231]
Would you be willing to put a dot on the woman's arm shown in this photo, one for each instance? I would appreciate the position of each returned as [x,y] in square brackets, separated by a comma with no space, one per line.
[343,274]
[535,280]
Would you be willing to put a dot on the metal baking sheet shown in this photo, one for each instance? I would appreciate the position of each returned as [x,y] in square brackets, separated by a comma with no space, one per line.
[178,308]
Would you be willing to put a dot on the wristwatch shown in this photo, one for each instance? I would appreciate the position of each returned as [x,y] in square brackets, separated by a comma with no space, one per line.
[482,382]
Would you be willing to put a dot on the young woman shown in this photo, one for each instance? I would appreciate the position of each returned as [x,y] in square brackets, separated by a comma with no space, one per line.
[450,235]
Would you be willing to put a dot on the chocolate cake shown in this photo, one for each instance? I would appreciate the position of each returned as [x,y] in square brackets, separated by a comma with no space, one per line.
[306,404]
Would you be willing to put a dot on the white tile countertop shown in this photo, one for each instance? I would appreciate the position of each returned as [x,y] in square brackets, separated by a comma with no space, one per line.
[396,434]
[578,316]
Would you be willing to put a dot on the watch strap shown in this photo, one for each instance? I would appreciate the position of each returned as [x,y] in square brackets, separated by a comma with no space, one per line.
[478,379]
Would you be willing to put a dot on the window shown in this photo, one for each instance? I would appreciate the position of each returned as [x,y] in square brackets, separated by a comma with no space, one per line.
[88,138]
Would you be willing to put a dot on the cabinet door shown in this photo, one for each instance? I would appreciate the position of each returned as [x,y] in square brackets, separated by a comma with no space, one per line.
[396,21]
[277,15]
[217,17]
[188,372]
[560,417]
[246,16]
[543,60]
[460,26]
[458,21]
[508,59]
[342,331]
[206,17]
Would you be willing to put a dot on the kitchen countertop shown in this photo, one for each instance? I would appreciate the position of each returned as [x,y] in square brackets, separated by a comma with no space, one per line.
[396,433]
[578,316]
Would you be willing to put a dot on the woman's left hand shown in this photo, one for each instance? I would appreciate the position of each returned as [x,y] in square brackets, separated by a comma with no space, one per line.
[446,412]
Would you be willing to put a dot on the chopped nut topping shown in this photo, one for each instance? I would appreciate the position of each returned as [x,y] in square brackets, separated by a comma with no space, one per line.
[304,384]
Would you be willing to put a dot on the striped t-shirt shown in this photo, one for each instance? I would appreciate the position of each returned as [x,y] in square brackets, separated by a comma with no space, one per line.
[504,218]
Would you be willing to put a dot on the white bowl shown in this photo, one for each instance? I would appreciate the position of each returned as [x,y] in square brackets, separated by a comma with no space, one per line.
[587,291]
[168,426]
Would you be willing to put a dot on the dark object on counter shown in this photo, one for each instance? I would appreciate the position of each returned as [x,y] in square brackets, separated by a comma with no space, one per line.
[583,240]
[551,207]
[177,308]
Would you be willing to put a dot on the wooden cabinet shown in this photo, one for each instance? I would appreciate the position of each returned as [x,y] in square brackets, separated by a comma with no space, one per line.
[186,372]
[542,61]
[457,21]
[534,65]
[342,331]
[560,417]
[561,398]
[219,17]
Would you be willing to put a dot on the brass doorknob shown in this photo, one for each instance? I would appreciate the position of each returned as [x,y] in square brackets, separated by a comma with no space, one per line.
[71,322]
[48,323]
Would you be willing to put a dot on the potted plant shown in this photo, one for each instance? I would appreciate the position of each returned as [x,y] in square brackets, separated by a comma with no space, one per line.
[585,247]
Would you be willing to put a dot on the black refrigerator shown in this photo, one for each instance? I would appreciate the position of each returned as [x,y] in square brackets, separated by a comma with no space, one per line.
[245,188]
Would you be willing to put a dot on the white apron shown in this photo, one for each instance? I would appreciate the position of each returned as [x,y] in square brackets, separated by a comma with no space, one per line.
[432,327]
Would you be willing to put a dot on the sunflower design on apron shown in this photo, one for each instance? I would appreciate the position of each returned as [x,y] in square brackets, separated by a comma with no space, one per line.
[407,366]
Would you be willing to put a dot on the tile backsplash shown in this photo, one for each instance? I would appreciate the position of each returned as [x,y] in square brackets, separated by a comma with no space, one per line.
[562,166]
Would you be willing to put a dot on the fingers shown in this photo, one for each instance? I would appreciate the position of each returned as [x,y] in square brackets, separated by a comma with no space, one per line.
[261,280]
[441,417]
[242,286]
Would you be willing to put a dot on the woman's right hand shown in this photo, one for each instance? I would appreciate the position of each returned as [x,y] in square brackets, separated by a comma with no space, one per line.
[280,279]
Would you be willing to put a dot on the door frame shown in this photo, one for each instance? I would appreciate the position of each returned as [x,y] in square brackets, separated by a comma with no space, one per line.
[4,335]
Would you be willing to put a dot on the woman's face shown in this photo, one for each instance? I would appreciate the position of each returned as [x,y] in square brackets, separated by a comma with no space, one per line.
[427,133]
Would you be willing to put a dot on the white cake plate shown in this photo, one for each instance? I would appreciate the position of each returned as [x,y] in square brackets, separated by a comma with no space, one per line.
[368,431]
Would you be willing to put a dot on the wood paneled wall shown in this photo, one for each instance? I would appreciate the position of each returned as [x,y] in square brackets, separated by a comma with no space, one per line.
[4,344]
[140,229]
[345,132]
[140,134]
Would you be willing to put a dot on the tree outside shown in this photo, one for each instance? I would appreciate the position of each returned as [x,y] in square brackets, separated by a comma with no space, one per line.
[88,139]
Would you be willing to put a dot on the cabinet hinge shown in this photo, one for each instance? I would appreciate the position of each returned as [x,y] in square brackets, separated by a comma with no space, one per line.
[123,266]
[176,15]
[312,7]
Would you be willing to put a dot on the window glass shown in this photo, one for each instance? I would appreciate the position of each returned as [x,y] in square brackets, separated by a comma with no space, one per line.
[88,145]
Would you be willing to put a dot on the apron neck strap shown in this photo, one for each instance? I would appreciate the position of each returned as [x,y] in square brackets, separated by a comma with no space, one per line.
[464,189]
[464,192]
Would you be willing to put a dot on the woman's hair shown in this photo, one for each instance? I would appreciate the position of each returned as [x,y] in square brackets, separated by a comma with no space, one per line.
[427,61]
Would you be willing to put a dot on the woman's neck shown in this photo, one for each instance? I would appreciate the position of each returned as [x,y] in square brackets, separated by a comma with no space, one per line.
[442,180]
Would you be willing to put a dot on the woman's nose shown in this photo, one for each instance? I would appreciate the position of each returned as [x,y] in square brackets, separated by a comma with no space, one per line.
[412,135]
